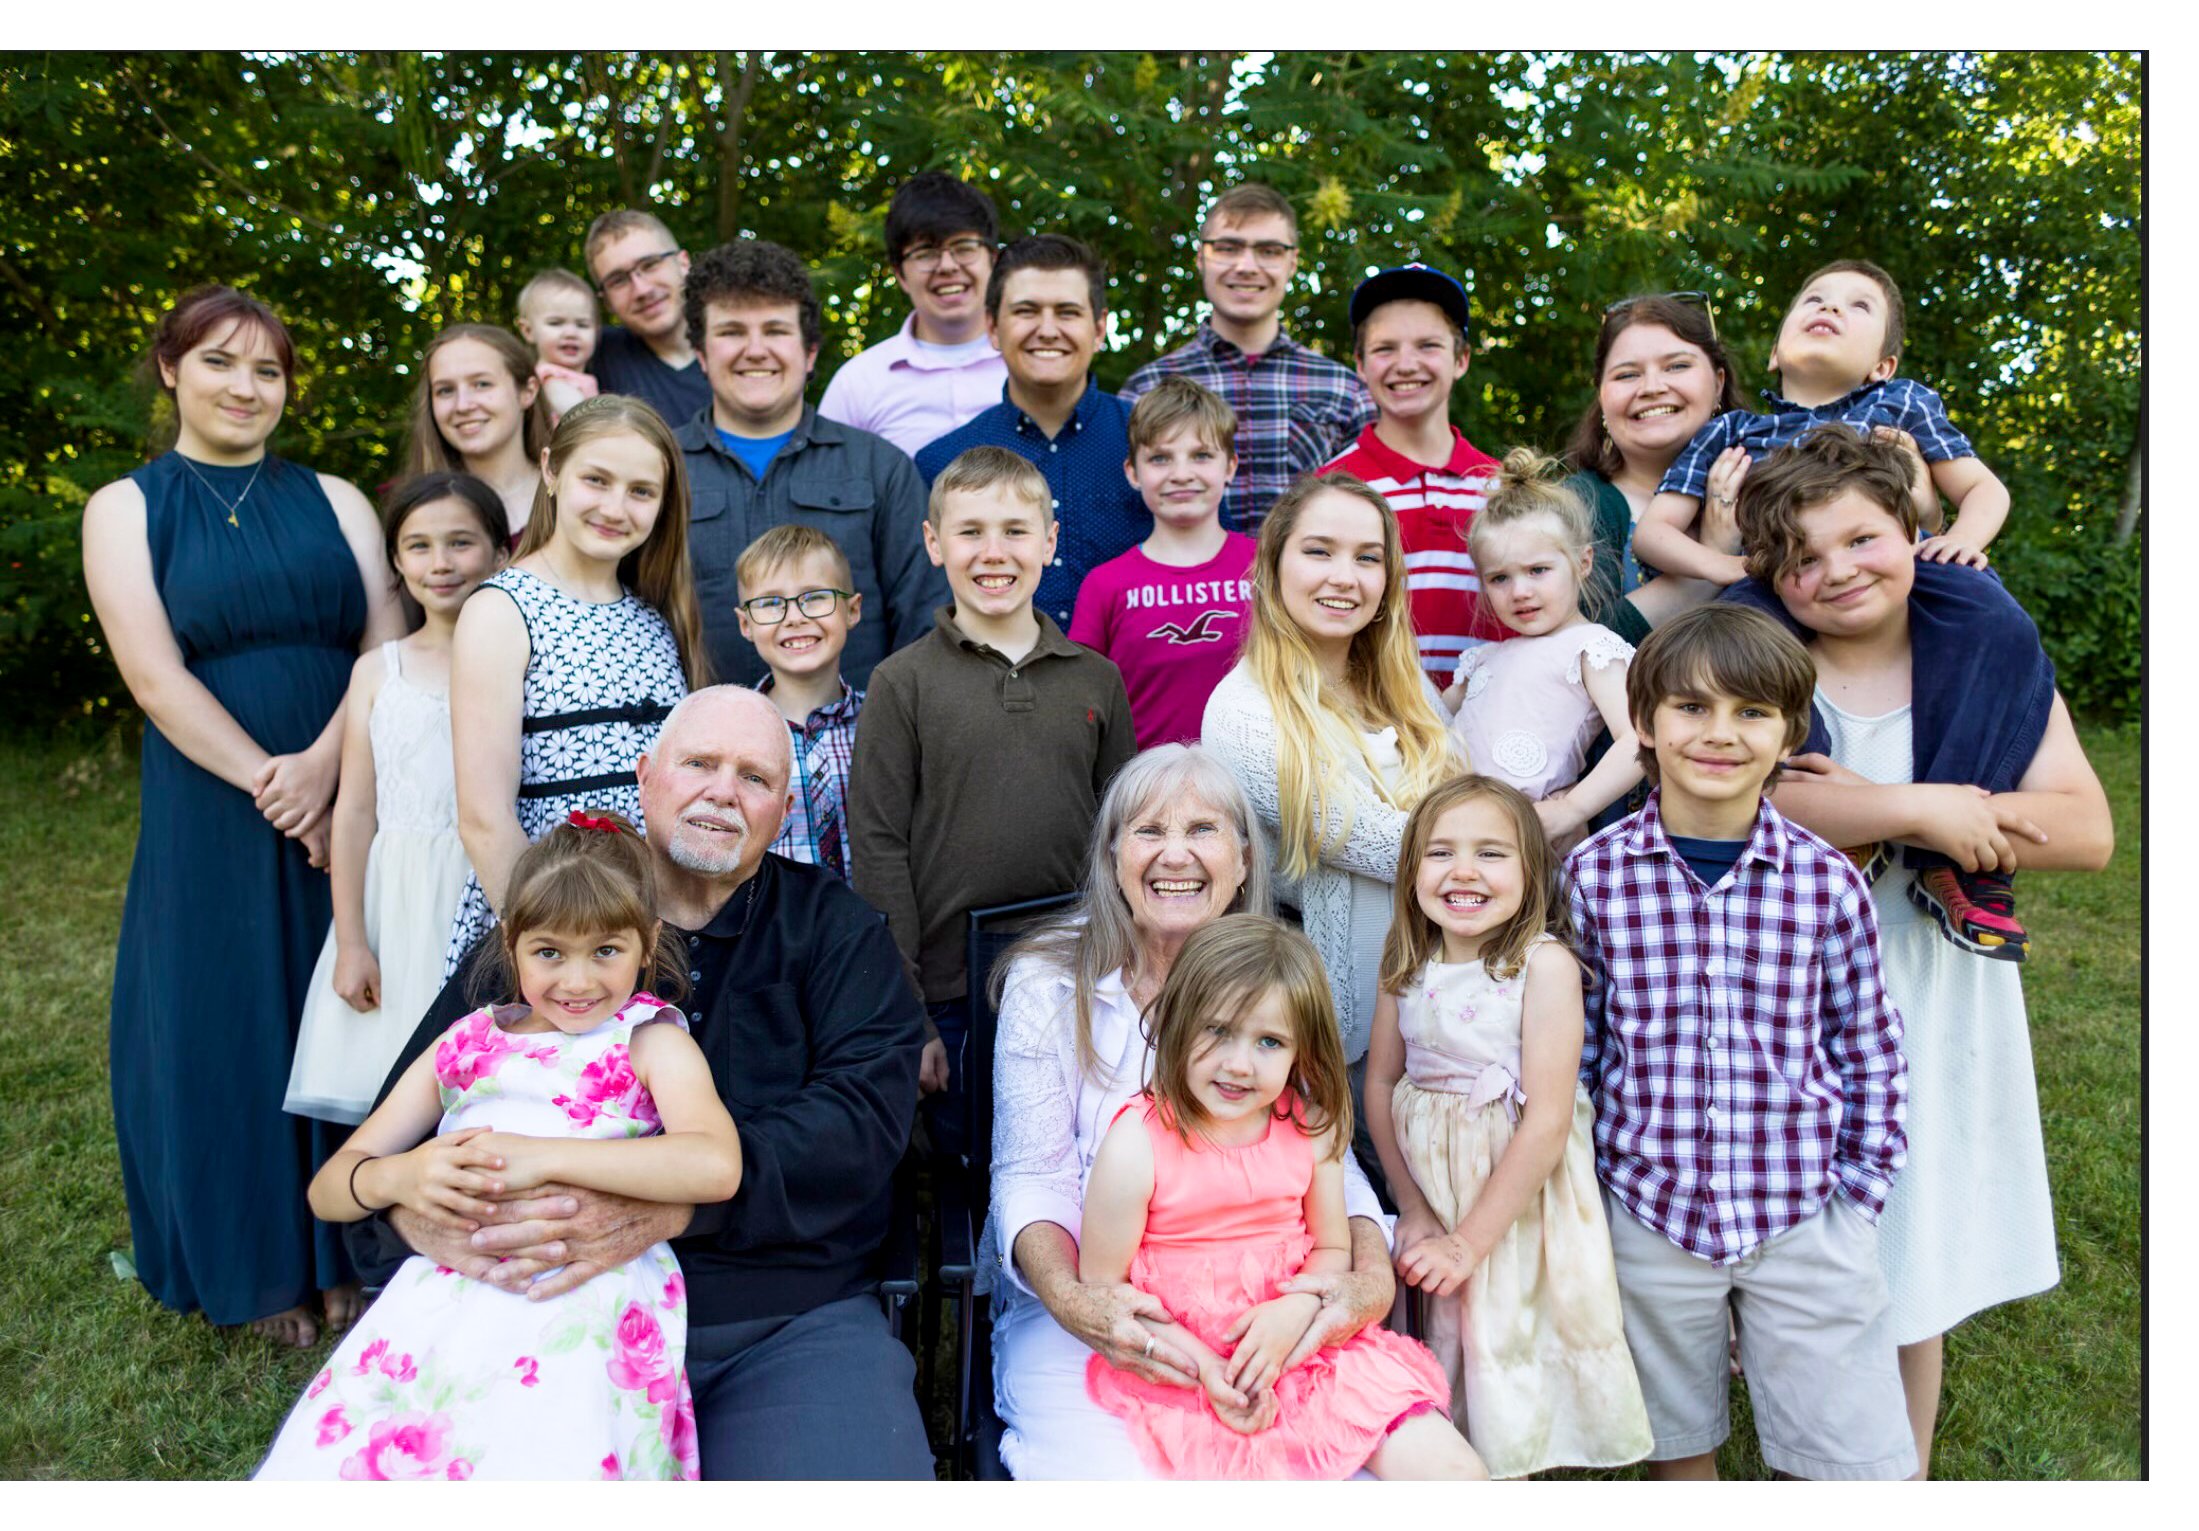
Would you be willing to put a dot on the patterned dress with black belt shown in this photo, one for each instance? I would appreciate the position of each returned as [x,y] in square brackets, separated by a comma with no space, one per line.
[601,678]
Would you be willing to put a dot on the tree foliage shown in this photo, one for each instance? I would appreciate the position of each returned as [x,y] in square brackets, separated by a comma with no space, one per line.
[373,198]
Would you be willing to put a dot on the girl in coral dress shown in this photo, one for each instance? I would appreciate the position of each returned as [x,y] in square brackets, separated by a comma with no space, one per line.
[446,1377]
[1221,1182]
[1475,1105]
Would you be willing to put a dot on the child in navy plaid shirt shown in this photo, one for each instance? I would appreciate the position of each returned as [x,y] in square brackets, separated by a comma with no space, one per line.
[1837,351]
[1746,1070]
[796,607]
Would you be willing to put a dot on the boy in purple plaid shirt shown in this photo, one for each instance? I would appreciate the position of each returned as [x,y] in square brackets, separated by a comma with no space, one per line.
[1745,1066]
[796,607]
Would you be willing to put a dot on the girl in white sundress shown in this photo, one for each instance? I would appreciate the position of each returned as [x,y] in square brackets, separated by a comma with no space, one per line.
[588,1081]
[1485,1134]
[1527,707]
[397,867]
[561,678]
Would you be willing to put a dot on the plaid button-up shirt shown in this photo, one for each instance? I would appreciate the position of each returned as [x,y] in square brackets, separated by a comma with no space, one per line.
[827,739]
[1741,1051]
[1295,410]
[1901,402]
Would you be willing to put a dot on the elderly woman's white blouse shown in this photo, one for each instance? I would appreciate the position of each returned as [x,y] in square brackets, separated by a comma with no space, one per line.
[1048,1120]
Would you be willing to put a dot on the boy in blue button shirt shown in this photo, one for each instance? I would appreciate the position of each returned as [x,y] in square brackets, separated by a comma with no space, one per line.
[1045,311]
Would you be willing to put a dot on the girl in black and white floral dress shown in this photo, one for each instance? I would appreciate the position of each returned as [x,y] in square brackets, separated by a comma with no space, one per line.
[563,676]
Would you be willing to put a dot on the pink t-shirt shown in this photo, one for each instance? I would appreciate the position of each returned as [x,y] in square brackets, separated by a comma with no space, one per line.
[1173,632]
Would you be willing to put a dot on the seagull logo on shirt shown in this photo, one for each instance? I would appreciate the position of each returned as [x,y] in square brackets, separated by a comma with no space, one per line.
[1203,628]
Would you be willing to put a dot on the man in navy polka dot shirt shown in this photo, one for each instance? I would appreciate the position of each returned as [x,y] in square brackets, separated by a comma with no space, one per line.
[1045,309]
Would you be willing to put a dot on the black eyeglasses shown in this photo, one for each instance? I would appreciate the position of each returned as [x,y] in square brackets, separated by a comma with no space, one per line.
[965,251]
[1268,252]
[770,610]
[1691,298]
[618,281]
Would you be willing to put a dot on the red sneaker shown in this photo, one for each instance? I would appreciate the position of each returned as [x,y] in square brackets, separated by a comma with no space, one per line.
[1975,910]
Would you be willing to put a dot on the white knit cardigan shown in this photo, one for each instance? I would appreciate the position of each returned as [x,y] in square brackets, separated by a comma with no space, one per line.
[1240,728]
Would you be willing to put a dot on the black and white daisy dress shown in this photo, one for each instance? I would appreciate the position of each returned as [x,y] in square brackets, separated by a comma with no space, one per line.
[601,678]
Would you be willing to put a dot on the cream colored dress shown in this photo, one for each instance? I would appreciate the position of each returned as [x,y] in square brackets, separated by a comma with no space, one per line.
[1969,1223]
[1533,1344]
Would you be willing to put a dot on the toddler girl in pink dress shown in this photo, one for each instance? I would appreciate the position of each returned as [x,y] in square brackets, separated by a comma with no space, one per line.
[1220,1183]
[1527,708]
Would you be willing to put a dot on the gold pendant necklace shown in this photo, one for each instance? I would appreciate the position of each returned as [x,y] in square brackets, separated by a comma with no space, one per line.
[227,505]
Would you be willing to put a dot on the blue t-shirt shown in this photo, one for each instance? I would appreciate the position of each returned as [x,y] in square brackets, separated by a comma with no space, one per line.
[756,451]
[1708,859]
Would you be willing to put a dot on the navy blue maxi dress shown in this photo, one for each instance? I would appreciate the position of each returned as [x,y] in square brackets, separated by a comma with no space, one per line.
[224,917]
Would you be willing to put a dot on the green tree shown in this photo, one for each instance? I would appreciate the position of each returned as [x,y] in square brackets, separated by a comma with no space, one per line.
[373,198]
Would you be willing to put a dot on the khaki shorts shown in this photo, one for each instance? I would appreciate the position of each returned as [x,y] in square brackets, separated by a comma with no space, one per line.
[1816,1347]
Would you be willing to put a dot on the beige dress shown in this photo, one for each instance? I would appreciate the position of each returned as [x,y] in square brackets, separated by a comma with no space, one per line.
[1533,1344]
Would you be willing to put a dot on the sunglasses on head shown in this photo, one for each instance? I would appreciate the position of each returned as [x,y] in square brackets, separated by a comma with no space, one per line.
[1691,298]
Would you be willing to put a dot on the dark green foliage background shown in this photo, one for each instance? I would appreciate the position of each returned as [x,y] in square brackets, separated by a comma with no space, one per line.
[373,198]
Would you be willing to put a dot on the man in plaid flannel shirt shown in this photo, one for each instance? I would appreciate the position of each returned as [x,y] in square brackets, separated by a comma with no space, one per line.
[1744,1062]
[1295,407]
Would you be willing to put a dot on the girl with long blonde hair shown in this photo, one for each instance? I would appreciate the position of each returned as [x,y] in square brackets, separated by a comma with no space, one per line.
[1331,726]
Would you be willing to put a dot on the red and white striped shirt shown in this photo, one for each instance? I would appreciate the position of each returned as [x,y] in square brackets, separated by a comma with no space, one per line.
[1434,508]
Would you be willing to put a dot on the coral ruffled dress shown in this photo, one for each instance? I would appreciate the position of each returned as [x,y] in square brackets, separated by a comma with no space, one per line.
[1225,1228]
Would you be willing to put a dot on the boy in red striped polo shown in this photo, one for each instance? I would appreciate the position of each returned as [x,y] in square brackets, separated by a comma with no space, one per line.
[1409,342]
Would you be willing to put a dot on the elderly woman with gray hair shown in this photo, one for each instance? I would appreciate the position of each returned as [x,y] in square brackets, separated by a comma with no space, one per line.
[1172,848]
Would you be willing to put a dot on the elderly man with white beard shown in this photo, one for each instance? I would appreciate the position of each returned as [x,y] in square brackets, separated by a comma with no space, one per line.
[800,1002]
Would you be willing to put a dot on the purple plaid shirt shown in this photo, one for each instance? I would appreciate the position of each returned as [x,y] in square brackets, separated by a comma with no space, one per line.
[827,739]
[1741,1051]
[1295,410]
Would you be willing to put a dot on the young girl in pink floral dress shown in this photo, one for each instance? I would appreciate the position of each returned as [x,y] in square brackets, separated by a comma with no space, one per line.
[446,1377]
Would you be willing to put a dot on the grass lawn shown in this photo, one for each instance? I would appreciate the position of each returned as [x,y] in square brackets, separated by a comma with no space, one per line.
[104,1384]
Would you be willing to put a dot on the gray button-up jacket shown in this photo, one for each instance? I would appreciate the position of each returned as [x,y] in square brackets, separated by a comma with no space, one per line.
[859,489]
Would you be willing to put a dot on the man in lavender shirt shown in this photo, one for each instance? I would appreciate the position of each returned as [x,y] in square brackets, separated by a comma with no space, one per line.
[940,370]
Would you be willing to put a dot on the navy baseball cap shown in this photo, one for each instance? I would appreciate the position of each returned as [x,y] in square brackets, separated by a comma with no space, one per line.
[1414,281]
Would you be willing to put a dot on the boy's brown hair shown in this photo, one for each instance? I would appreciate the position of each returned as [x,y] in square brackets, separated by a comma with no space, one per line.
[1724,650]
[1253,199]
[1225,969]
[982,468]
[784,546]
[620,221]
[1896,310]
[1414,939]
[1828,462]
[1176,402]
[580,879]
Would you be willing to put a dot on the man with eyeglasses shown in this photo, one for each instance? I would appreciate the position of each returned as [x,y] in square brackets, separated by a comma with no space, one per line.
[758,457]
[939,370]
[1295,407]
[638,268]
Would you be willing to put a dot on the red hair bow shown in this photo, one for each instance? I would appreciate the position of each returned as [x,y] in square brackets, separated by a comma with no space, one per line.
[602,826]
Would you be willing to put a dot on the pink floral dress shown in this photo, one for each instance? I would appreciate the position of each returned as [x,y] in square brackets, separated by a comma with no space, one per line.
[446,1377]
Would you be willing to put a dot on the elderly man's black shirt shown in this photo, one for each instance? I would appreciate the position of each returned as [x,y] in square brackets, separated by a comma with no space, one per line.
[802,1006]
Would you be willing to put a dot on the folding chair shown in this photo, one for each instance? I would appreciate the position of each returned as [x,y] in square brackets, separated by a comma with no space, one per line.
[965,1194]
[901,1257]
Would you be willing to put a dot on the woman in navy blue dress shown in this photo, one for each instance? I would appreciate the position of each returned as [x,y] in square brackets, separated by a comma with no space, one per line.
[234,590]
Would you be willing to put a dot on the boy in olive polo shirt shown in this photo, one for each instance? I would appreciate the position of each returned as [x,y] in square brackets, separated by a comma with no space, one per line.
[982,750]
